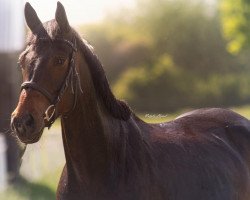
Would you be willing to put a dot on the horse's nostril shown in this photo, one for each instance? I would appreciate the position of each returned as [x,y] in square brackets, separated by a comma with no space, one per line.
[16,123]
[28,120]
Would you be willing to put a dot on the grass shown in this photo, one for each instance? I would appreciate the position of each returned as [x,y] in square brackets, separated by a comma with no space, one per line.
[45,188]
[24,190]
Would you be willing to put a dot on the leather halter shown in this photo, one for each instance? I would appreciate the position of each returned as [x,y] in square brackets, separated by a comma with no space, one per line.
[72,74]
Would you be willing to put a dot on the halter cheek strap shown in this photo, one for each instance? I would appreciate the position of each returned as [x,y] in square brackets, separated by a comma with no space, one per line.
[72,74]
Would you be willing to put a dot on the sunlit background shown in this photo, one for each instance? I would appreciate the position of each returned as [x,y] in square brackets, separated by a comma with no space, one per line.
[80,11]
[163,57]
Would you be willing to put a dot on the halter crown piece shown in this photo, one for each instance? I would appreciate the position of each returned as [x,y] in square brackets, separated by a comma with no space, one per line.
[71,78]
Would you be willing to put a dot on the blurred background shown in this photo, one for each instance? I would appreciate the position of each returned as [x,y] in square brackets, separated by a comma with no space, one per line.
[163,57]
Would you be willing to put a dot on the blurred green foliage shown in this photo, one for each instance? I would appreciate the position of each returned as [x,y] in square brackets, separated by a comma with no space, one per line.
[235,17]
[168,55]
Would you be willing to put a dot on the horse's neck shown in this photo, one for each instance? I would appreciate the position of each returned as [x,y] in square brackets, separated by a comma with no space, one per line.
[84,141]
[99,148]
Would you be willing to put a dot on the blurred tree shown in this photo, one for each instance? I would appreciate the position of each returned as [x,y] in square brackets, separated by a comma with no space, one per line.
[155,89]
[169,52]
[118,44]
[235,17]
[188,33]
[183,29]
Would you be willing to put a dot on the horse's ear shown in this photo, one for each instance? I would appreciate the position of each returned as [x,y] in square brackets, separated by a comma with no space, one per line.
[61,18]
[31,17]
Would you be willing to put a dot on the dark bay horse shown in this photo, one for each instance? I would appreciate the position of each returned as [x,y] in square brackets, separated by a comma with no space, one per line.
[110,153]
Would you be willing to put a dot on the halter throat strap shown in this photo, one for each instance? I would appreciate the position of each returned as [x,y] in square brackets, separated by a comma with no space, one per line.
[50,113]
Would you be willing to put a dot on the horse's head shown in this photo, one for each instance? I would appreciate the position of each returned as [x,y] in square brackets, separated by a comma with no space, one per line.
[47,66]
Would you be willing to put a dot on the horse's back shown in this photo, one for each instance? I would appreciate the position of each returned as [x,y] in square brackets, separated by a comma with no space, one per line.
[204,154]
[206,124]
[225,125]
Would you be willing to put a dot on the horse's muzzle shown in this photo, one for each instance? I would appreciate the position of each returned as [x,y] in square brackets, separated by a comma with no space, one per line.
[24,127]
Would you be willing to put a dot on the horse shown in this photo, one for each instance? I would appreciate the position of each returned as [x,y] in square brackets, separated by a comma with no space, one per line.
[111,154]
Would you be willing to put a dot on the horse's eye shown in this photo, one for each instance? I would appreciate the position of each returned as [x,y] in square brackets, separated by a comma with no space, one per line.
[59,61]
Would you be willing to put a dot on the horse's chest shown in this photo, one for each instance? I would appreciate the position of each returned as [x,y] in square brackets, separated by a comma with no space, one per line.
[71,190]
[66,191]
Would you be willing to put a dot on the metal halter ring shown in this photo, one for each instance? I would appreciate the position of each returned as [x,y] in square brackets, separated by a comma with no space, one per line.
[49,117]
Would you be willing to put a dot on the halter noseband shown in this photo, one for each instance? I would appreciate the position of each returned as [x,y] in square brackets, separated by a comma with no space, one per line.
[72,74]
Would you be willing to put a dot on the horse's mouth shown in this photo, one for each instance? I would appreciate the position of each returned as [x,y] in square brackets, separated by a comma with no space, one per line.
[33,139]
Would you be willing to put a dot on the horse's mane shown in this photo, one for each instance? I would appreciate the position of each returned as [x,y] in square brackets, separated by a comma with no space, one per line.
[117,108]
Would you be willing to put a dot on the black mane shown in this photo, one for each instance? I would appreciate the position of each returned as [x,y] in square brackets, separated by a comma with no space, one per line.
[117,108]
